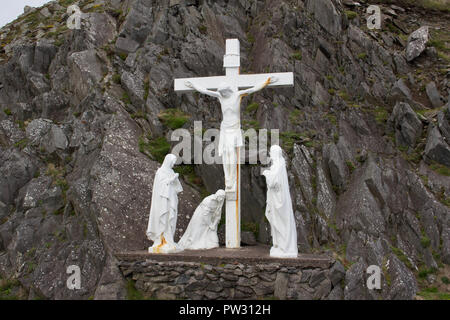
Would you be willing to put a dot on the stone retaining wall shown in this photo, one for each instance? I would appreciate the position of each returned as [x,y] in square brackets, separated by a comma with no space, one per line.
[196,281]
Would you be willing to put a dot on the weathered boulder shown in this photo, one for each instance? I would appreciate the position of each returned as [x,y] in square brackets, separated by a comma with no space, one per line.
[405,124]
[338,169]
[401,90]
[248,238]
[41,192]
[100,28]
[55,140]
[403,284]
[51,104]
[134,84]
[360,206]
[86,71]
[326,198]
[126,45]
[355,282]
[337,273]
[433,95]
[44,53]
[417,43]
[43,133]
[10,133]
[37,129]
[302,167]
[139,21]
[326,14]
[443,122]
[437,149]
[336,294]
[16,169]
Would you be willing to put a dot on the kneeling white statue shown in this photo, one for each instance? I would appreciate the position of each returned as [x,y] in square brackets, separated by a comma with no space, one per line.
[164,208]
[201,232]
[279,208]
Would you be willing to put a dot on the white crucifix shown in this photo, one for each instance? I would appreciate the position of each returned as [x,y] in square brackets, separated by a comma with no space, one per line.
[230,89]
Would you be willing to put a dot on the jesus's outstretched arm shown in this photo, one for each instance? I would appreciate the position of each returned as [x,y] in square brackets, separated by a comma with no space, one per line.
[200,89]
[258,87]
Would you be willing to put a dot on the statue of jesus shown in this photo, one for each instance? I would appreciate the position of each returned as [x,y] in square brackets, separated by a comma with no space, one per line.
[230,139]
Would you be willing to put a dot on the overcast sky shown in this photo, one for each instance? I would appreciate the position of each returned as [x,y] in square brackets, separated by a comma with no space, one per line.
[11,9]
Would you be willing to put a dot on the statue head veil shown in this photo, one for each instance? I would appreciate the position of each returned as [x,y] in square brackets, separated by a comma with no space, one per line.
[276,154]
[169,162]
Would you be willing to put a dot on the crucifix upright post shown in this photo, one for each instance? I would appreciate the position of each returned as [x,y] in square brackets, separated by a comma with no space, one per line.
[234,82]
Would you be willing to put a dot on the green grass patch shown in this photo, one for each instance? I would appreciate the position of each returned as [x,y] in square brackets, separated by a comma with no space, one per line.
[288,139]
[123,56]
[381,115]
[425,242]
[67,3]
[295,115]
[132,292]
[251,124]
[146,89]
[156,148]
[173,118]
[251,227]
[21,144]
[344,95]
[116,78]
[252,107]
[250,38]
[332,118]
[203,29]
[402,257]
[7,112]
[351,167]
[126,98]
[441,169]
[297,55]
[351,14]
[188,173]
[424,272]
[6,289]
[139,115]
[433,294]
[362,56]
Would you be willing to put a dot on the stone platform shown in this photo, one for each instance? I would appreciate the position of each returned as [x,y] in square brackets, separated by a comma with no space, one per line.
[244,273]
[246,255]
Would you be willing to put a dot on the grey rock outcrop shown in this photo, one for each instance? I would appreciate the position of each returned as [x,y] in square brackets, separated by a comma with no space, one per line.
[405,124]
[434,95]
[417,43]
[326,14]
[437,149]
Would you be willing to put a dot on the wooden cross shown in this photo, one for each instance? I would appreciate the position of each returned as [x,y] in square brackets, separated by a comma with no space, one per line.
[231,63]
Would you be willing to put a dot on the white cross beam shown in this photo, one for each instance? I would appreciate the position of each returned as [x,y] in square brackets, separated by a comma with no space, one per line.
[231,63]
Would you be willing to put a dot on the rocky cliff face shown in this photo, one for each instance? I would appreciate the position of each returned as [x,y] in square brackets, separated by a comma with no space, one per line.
[87,114]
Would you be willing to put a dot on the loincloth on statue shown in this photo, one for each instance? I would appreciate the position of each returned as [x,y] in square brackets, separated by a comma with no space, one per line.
[230,137]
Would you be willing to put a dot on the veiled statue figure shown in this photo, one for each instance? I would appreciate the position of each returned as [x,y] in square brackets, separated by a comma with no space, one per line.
[279,207]
[164,208]
[201,232]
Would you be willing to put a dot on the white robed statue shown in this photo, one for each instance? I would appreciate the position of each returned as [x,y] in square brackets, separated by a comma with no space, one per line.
[279,208]
[201,232]
[164,208]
